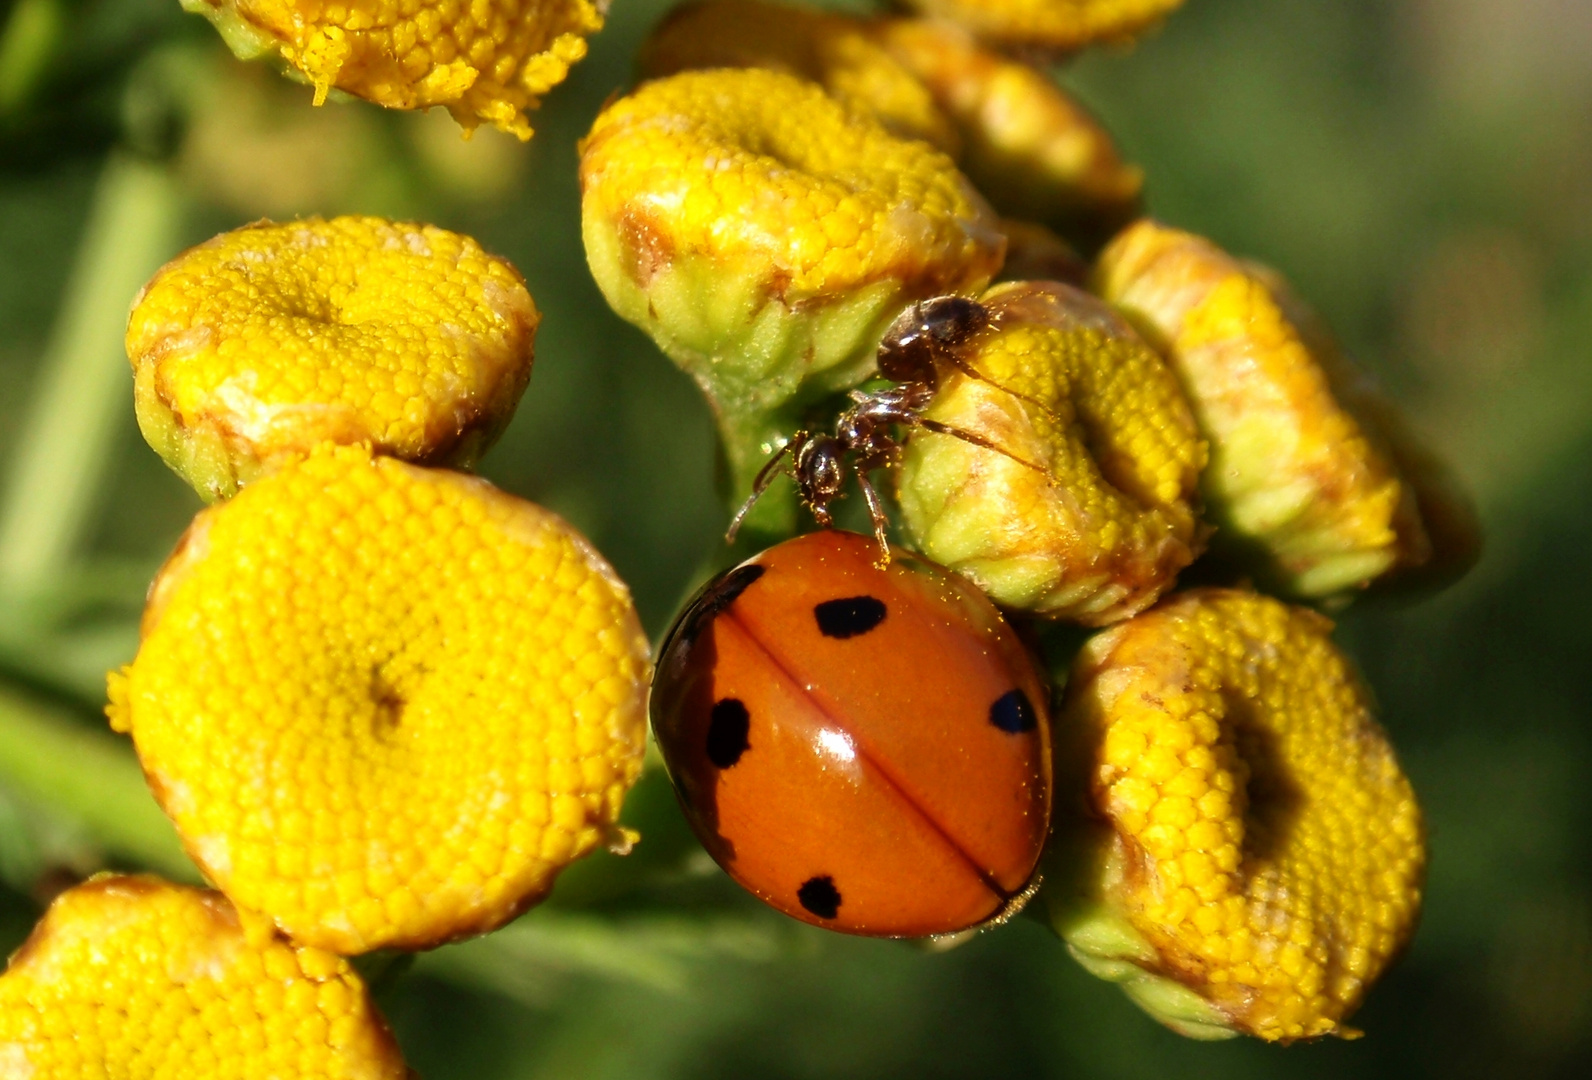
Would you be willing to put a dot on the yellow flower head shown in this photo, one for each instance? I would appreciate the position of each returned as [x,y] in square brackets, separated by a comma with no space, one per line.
[251,349]
[1033,150]
[385,705]
[1262,855]
[839,53]
[765,236]
[1055,25]
[1102,528]
[487,61]
[136,977]
[1303,486]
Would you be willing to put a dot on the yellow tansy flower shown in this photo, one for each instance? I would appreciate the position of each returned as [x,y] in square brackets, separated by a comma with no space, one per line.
[1033,150]
[385,705]
[1303,485]
[1260,855]
[765,236]
[1057,25]
[1104,526]
[487,61]
[839,53]
[135,977]
[250,350]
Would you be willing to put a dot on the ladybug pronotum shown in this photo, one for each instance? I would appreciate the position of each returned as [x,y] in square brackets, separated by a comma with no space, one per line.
[865,749]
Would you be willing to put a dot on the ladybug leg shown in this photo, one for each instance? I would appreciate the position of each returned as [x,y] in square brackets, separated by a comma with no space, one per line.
[765,476]
[969,437]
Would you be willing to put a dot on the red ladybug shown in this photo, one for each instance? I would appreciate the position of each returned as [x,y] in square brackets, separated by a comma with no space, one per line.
[865,749]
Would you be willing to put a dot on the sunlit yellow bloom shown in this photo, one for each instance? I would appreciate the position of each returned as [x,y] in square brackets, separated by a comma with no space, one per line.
[765,236]
[1026,144]
[1303,488]
[839,53]
[487,61]
[250,350]
[1259,857]
[1104,526]
[383,704]
[135,977]
[1060,25]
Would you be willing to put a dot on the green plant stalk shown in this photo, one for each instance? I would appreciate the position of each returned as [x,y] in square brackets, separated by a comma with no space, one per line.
[84,383]
[47,757]
[27,43]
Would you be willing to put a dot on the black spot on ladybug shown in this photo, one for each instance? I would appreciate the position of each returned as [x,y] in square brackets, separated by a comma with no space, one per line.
[715,597]
[819,896]
[849,617]
[727,727]
[1013,712]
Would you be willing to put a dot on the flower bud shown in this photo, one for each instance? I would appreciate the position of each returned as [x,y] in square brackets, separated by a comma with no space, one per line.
[385,705]
[134,976]
[837,52]
[1249,856]
[1051,25]
[1032,149]
[487,62]
[1305,484]
[764,236]
[1087,509]
[250,350]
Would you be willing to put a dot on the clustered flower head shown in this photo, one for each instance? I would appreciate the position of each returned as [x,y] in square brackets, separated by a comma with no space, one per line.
[486,62]
[1241,851]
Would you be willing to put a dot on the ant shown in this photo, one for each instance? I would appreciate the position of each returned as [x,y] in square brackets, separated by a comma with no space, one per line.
[928,333]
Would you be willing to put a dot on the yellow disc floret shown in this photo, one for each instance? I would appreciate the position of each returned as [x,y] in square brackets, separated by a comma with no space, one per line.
[250,350]
[133,977]
[1026,143]
[1059,25]
[764,235]
[487,61]
[1103,525]
[839,53]
[1264,853]
[385,705]
[1302,486]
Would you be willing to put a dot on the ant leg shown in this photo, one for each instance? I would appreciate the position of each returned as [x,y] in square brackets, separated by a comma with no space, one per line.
[969,437]
[881,523]
[978,376]
[765,477]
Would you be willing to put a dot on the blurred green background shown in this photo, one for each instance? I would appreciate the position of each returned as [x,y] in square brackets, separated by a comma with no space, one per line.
[1421,169]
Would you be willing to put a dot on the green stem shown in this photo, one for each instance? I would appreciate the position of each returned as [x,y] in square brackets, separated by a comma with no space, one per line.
[84,384]
[27,42]
[47,757]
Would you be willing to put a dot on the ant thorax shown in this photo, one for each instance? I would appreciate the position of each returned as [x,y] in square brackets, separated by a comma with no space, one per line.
[926,335]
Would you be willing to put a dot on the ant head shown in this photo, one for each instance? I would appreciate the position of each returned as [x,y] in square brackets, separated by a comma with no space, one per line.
[820,473]
[924,330]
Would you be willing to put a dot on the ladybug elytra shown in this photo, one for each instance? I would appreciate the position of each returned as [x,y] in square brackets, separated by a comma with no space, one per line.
[864,748]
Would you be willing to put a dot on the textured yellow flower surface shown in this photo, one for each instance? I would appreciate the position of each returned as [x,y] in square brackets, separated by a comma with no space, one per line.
[385,705]
[1265,851]
[1299,486]
[1104,528]
[134,978]
[837,52]
[1033,150]
[251,349]
[765,235]
[1051,24]
[487,61]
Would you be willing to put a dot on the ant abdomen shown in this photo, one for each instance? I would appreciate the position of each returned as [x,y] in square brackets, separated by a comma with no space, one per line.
[926,333]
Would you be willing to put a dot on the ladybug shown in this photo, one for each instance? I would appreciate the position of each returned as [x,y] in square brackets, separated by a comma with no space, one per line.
[864,747]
